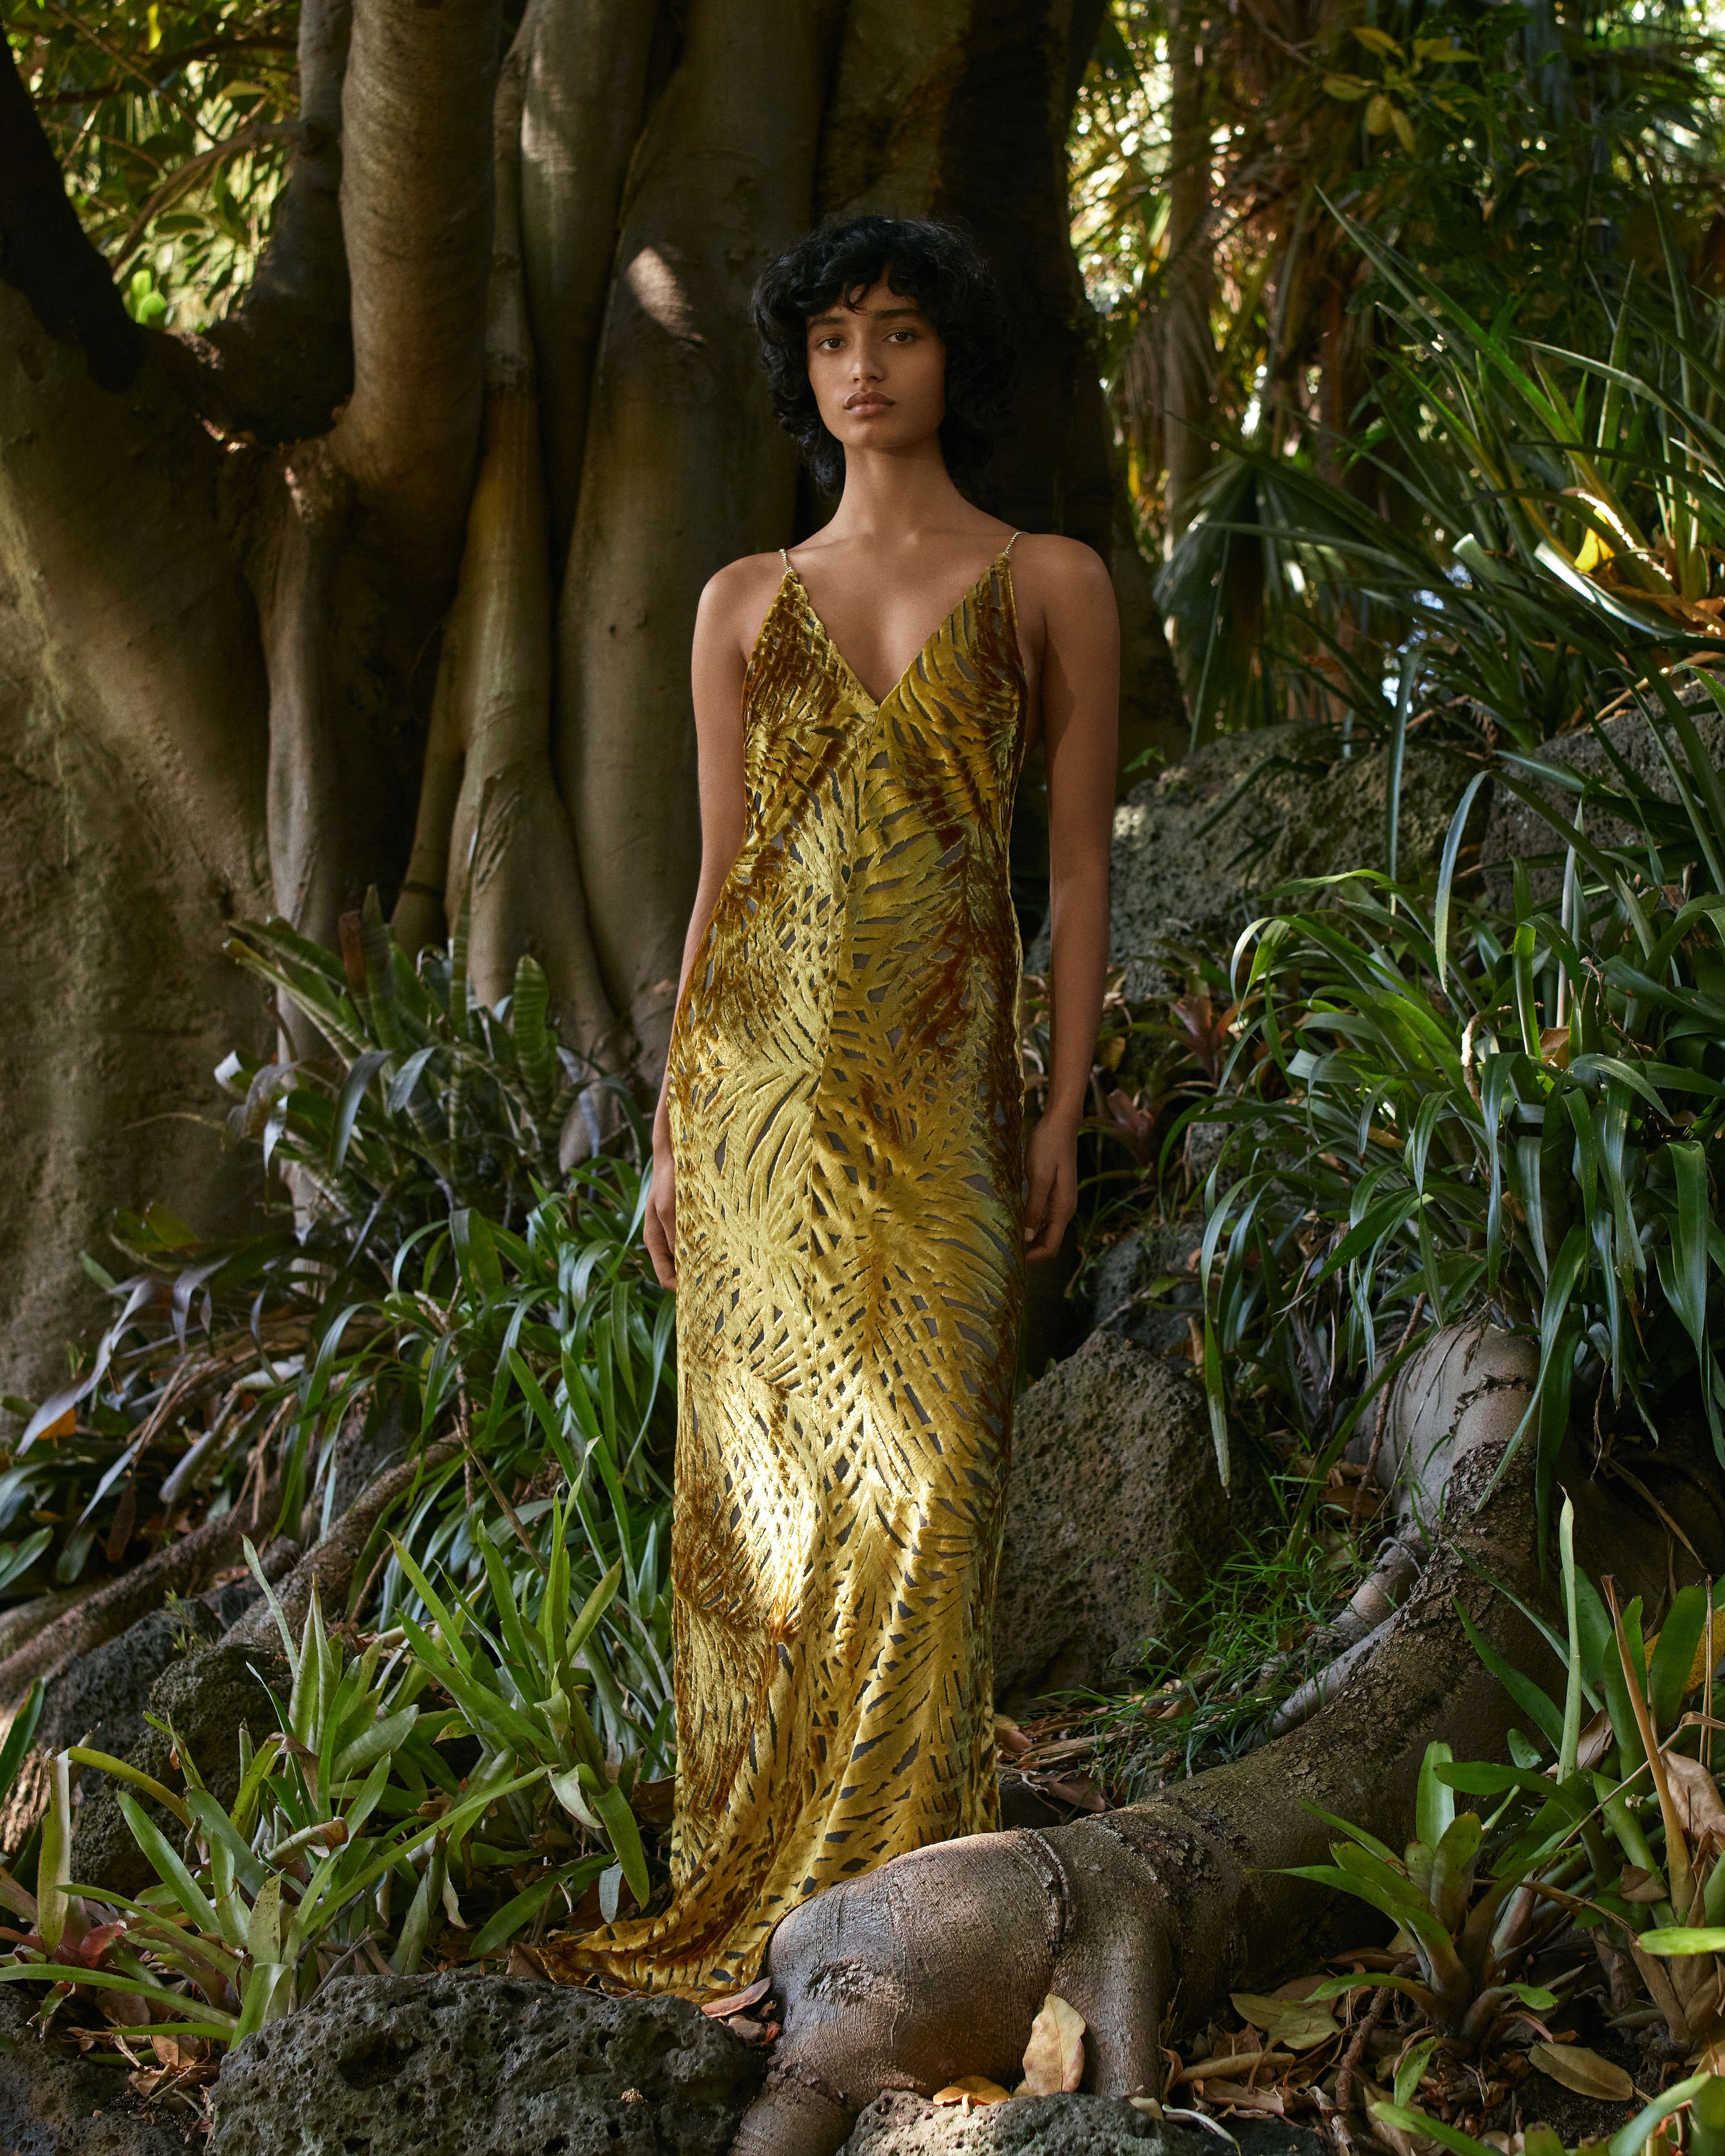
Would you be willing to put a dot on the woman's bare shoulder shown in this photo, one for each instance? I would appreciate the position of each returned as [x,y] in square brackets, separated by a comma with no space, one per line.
[735,600]
[1060,565]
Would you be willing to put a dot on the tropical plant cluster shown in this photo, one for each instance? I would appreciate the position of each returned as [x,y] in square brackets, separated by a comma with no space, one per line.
[462,1749]
[1560,1933]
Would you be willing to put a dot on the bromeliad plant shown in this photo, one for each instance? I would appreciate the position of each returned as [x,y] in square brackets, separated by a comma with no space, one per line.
[1470,1936]
[1603,1844]
[352,1833]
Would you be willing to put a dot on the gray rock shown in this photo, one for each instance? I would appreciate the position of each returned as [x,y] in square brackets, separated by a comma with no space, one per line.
[461,2065]
[206,1697]
[100,1698]
[1113,1488]
[53,2103]
[1144,1287]
[1197,848]
[1514,831]
[898,2124]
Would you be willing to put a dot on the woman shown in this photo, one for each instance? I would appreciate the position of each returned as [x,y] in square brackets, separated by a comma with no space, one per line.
[841,1195]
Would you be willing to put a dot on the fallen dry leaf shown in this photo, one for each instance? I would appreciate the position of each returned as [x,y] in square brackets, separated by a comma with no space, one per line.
[1298,2023]
[1697,1796]
[1574,2067]
[1229,2062]
[1243,2098]
[977,2088]
[738,2001]
[1054,2057]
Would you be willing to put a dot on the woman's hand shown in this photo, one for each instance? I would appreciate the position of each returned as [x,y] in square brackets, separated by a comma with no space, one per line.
[659,1227]
[1051,1178]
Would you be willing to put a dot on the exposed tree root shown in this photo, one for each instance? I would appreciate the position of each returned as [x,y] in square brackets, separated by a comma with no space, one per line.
[329,1564]
[933,1967]
[182,1568]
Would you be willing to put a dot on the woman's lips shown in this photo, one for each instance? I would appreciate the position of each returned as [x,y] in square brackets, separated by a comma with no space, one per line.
[865,407]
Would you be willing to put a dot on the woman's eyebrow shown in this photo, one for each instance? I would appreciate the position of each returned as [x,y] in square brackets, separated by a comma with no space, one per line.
[875,314]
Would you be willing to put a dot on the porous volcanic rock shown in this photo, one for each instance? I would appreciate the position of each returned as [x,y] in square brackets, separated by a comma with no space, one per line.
[898,2124]
[1113,1486]
[462,2064]
[100,1696]
[1147,1285]
[1514,831]
[54,2104]
[206,1698]
[1197,848]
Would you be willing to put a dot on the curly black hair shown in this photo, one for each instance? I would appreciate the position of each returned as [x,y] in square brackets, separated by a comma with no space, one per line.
[937,266]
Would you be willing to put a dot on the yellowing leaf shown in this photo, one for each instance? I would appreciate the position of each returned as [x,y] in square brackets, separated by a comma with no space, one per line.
[1054,2057]
[1347,86]
[1403,125]
[1378,41]
[1706,1651]
[1574,2067]
[973,2088]
[1298,2023]
[1439,49]
[1379,114]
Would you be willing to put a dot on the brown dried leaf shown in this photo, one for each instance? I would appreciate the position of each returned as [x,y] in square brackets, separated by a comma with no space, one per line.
[1054,2057]
[973,2088]
[1572,2066]
[1697,1796]
[1242,2098]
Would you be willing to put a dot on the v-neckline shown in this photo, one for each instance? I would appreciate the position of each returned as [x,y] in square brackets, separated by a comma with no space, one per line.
[793,573]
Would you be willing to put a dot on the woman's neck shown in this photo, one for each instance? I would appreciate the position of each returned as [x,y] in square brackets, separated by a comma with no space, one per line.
[899,495]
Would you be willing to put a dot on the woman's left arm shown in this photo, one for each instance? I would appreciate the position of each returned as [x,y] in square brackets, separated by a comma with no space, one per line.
[1080,718]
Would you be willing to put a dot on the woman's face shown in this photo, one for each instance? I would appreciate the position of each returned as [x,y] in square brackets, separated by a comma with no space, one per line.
[878,371]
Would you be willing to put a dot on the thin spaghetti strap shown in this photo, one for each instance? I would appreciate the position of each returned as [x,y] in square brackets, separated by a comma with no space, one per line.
[1006,550]
[784,556]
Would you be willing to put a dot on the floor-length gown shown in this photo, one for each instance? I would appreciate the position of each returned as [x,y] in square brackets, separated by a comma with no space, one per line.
[845,1103]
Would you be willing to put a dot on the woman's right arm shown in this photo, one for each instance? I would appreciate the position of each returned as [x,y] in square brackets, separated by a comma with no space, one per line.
[720,656]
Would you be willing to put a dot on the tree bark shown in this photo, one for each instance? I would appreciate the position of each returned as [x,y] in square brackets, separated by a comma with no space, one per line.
[506,845]
[1188,342]
[279,365]
[586,94]
[684,470]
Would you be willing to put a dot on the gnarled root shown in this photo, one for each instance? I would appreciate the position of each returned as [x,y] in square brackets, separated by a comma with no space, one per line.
[329,1565]
[935,1966]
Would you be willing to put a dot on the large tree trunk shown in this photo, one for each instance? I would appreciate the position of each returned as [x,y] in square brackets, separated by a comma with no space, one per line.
[390,577]
[1188,344]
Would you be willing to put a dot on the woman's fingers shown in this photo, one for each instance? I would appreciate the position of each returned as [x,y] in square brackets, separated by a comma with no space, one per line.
[659,1228]
[1048,1209]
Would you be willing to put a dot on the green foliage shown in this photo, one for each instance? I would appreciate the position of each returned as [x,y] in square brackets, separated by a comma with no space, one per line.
[172,120]
[1508,152]
[441,1278]
[349,1834]
[1456,1925]
[1464,1107]
[1605,1823]
[1531,525]
[1220,1662]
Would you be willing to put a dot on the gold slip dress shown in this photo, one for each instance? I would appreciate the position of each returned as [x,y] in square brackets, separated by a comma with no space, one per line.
[845,1101]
